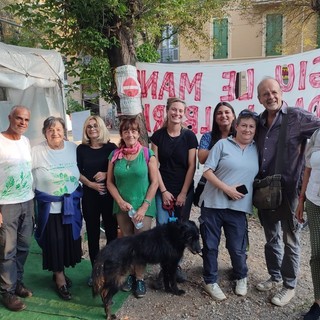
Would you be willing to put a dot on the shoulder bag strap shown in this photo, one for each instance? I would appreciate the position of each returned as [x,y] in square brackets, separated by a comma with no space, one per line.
[281,143]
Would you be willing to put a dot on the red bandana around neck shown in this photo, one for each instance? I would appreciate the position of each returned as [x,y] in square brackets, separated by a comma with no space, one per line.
[121,152]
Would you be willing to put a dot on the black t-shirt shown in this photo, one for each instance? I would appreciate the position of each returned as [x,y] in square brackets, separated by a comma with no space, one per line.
[173,153]
[90,161]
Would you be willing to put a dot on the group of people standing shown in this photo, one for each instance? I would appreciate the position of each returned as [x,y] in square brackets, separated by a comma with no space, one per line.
[158,183]
[234,162]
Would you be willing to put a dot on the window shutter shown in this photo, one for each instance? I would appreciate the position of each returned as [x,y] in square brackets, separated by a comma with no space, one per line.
[274,28]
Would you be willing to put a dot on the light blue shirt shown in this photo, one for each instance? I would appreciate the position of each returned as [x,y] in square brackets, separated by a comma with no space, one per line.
[233,166]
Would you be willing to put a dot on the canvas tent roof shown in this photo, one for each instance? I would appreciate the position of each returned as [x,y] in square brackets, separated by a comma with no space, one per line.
[34,78]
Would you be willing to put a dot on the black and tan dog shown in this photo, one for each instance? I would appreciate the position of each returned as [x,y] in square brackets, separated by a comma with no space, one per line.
[163,244]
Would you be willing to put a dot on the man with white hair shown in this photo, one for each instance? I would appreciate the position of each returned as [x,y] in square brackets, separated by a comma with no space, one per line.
[282,251]
[16,208]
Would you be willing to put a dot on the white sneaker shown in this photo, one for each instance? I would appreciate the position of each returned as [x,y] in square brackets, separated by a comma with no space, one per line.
[268,285]
[283,297]
[214,291]
[241,287]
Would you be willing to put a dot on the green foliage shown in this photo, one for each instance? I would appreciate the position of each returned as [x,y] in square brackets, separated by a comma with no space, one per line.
[73,106]
[112,32]
[94,73]
[147,53]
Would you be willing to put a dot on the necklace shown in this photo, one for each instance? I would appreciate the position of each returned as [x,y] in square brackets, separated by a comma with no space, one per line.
[128,159]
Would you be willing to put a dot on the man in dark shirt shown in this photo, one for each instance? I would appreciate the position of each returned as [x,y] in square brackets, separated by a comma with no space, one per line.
[282,253]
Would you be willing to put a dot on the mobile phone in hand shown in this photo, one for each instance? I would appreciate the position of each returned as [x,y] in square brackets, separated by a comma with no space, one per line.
[242,189]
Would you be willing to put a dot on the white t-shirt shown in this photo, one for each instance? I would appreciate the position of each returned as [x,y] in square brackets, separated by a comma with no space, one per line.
[15,170]
[55,171]
[313,161]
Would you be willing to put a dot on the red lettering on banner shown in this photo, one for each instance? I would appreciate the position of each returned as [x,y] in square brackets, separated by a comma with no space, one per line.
[231,75]
[186,85]
[299,103]
[146,111]
[302,75]
[167,85]
[192,118]
[291,77]
[152,82]
[314,78]
[251,107]
[250,86]
[314,106]
[158,116]
[207,121]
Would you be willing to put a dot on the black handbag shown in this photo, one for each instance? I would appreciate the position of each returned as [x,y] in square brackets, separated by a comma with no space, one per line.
[267,192]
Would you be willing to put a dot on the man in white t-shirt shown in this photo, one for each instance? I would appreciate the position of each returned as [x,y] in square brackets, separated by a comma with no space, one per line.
[16,208]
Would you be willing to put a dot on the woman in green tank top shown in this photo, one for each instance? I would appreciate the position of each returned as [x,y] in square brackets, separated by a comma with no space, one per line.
[133,181]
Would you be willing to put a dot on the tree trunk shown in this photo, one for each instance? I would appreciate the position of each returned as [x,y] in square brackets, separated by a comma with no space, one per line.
[124,54]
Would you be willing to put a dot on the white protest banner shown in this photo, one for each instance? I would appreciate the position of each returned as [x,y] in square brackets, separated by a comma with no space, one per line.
[202,86]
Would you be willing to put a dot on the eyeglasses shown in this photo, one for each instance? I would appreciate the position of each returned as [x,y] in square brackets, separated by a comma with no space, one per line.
[248,114]
[89,126]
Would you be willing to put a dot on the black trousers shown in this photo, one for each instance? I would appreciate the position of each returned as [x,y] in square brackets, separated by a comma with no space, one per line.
[95,207]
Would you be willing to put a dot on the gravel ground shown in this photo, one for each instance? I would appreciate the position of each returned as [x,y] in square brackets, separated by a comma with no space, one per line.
[196,304]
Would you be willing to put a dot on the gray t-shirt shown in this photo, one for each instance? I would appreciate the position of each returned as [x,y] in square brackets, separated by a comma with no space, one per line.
[233,166]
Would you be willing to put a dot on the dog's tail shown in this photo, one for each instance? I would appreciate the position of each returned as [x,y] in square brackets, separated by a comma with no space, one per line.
[98,277]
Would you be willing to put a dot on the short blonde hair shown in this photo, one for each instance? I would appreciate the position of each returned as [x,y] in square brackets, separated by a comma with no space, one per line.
[104,135]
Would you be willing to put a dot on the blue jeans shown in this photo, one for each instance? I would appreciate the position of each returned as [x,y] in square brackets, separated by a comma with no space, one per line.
[15,239]
[182,213]
[282,252]
[234,224]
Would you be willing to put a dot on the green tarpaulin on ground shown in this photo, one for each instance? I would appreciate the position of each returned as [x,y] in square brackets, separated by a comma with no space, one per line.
[45,302]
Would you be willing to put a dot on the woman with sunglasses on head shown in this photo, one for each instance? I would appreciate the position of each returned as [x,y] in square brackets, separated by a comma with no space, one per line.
[92,159]
[222,127]
[230,169]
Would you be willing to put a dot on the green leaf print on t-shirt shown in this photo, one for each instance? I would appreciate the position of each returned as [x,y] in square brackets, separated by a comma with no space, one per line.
[14,187]
[63,180]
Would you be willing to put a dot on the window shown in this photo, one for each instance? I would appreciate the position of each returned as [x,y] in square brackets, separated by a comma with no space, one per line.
[274,27]
[220,38]
[169,50]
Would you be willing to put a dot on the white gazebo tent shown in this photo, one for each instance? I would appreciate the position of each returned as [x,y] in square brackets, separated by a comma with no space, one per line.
[33,78]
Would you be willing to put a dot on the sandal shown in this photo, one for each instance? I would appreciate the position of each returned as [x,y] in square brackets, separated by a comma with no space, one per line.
[68,280]
[63,292]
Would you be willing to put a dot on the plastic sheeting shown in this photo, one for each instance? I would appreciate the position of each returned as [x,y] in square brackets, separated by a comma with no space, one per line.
[34,78]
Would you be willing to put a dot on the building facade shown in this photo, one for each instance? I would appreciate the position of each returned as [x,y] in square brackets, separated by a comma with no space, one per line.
[266,29]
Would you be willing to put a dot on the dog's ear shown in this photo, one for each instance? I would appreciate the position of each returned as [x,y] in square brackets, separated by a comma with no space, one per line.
[188,229]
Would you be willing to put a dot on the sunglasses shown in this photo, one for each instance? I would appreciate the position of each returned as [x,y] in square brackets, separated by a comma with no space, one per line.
[95,126]
[248,114]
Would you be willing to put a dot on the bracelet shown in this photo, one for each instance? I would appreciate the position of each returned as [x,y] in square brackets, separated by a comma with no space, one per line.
[147,201]
[164,191]
[302,197]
